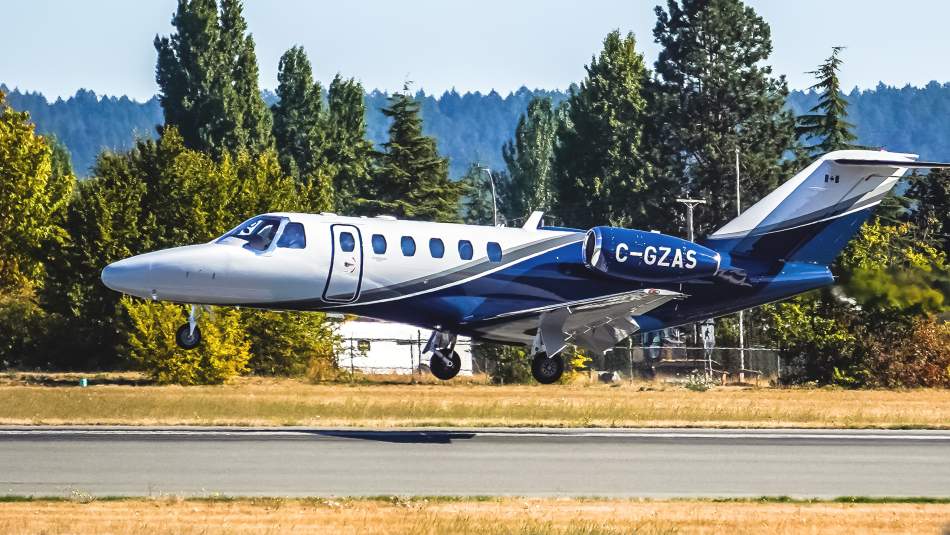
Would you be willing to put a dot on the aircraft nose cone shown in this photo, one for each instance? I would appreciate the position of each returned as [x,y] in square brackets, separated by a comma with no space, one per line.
[128,276]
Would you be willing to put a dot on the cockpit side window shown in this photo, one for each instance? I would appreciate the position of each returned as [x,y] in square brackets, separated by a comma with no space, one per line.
[293,237]
[258,232]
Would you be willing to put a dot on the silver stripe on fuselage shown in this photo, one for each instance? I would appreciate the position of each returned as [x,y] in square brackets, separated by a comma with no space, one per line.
[560,241]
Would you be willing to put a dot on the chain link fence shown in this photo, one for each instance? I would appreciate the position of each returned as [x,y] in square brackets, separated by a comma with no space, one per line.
[386,356]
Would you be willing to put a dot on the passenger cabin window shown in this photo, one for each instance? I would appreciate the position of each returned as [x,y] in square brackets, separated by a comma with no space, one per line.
[293,237]
[347,242]
[466,251]
[379,244]
[436,248]
[494,252]
[408,246]
[258,232]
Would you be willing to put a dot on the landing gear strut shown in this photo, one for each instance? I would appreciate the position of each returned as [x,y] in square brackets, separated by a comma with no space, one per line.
[445,363]
[545,369]
[188,335]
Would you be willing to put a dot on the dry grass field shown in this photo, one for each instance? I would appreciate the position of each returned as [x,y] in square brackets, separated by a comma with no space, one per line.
[267,402]
[493,516]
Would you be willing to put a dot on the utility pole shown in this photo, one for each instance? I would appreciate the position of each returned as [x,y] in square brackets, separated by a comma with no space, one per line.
[690,205]
[741,327]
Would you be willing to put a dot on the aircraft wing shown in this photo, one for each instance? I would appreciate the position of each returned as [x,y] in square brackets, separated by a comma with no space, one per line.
[602,325]
[595,325]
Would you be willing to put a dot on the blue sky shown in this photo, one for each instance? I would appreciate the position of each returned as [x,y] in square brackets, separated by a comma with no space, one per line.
[58,46]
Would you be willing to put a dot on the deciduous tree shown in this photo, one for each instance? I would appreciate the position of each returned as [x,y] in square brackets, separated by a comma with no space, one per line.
[33,200]
[530,158]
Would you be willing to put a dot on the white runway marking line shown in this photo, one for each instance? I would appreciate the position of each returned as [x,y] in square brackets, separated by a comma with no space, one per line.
[352,433]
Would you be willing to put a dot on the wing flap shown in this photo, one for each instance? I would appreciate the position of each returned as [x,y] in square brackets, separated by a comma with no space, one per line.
[599,326]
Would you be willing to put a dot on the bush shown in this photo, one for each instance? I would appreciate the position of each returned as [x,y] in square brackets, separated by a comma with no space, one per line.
[223,353]
[291,343]
[917,357]
[698,382]
[23,329]
[508,364]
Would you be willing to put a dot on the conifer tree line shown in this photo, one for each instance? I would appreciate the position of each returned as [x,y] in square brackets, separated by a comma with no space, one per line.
[626,142]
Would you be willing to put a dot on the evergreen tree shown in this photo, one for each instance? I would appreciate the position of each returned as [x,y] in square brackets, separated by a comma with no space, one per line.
[242,59]
[412,180]
[930,210]
[711,95]
[347,152]
[827,123]
[207,77]
[297,115]
[530,158]
[599,173]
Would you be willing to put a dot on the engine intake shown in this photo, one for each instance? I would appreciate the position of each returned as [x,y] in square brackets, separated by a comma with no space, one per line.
[647,256]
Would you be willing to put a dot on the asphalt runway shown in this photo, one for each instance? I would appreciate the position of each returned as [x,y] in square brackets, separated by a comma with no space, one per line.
[311,462]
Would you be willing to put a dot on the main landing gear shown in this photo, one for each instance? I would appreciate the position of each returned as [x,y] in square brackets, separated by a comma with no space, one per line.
[545,369]
[188,335]
[547,364]
[445,363]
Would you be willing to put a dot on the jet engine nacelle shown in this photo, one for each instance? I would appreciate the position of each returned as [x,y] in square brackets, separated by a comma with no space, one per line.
[647,256]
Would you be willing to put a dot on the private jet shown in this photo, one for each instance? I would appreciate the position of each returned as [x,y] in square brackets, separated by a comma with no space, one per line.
[540,286]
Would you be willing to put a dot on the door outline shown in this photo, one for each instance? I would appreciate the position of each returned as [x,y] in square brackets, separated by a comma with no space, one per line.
[333,254]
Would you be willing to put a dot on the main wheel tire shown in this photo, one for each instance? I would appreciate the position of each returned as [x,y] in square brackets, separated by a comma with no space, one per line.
[547,370]
[442,370]
[186,338]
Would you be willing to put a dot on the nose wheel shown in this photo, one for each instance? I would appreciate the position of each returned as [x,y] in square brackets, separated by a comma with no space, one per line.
[186,338]
[545,369]
[445,365]
[188,335]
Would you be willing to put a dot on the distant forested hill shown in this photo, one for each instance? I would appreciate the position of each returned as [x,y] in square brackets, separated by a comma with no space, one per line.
[905,119]
[472,127]
[87,123]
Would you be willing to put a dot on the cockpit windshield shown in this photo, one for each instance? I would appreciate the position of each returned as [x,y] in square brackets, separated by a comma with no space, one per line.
[258,232]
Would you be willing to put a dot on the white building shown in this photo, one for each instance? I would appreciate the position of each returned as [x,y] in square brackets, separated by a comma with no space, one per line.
[374,346]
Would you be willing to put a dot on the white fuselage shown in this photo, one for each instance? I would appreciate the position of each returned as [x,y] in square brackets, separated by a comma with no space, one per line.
[342,259]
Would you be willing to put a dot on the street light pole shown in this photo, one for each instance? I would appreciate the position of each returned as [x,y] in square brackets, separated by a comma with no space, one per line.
[741,326]
[494,202]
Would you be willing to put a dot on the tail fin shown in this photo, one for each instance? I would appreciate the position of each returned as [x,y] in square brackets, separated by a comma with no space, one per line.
[812,217]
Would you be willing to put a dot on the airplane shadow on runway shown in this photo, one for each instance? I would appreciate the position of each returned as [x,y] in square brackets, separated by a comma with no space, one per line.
[403,437]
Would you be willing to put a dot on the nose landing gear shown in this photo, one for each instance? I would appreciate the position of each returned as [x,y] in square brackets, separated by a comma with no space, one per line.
[188,335]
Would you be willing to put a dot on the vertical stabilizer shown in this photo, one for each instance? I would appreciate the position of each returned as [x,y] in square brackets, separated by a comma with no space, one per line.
[812,216]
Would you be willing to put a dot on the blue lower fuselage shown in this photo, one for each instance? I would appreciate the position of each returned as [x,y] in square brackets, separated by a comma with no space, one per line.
[560,277]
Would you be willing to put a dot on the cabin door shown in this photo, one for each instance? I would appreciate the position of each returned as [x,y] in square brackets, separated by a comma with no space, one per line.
[346,265]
